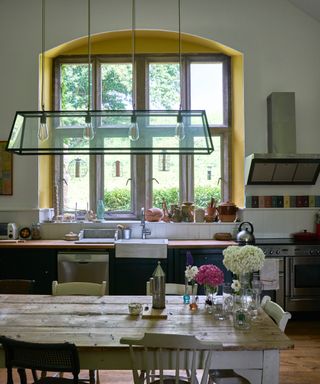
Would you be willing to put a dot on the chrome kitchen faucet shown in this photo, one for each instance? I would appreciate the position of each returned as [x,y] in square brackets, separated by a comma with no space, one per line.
[145,231]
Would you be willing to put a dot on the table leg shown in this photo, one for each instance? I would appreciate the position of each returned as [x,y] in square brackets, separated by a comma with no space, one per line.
[271,367]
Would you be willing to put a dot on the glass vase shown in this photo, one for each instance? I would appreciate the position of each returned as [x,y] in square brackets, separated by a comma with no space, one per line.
[241,308]
[210,292]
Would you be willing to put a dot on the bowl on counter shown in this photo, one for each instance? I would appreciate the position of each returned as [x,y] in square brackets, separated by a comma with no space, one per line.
[227,212]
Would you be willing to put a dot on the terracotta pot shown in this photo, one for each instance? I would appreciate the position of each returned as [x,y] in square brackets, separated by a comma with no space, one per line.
[227,211]
[153,214]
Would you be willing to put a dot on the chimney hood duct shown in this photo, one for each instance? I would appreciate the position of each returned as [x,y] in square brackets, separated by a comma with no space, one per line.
[281,165]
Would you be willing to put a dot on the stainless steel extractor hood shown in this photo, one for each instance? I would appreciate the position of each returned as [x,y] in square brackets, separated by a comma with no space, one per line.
[281,165]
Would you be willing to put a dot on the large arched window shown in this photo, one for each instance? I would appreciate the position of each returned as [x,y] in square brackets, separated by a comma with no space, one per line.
[126,183]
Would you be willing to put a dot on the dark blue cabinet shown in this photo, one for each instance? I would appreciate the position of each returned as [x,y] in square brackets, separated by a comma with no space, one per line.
[128,276]
[31,264]
[200,256]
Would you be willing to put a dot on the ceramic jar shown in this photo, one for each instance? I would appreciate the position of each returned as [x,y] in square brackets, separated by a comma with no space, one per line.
[187,212]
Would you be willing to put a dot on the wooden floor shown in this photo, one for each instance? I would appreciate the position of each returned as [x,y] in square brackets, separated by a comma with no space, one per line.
[301,365]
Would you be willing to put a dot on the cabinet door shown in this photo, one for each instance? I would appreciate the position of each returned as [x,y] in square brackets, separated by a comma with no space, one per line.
[200,257]
[34,264]
[129,276]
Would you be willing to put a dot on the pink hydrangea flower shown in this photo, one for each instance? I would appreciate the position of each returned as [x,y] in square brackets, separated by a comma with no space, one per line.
[210,275]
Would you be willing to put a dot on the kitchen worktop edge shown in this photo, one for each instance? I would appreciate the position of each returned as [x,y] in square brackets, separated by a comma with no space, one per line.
[181,243]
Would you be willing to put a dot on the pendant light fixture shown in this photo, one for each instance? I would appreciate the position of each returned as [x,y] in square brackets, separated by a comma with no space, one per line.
[92,131]
[134,133]
[88,131]
[180,129]
[43,133]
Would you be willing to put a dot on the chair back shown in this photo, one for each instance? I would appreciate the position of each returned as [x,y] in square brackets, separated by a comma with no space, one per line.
[154,353]
[16,286]
[57,357]
[78,288]
[275,311]
[175,289]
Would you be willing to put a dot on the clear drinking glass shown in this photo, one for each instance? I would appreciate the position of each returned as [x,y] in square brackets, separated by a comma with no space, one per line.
[228,298]
[218,307]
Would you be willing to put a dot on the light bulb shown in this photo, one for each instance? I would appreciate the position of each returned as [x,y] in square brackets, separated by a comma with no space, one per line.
[180,130]
[134,129]
[43,132]
[88,131]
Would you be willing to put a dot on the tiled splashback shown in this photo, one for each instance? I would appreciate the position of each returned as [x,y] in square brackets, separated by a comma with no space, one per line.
[282,201]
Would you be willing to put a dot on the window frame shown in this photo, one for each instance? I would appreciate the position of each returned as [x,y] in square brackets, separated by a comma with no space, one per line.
[141,165]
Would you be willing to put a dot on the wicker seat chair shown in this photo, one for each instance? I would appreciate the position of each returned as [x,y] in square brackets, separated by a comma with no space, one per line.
[57,357]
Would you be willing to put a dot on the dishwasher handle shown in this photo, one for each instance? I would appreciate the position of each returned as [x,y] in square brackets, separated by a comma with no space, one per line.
[83,257]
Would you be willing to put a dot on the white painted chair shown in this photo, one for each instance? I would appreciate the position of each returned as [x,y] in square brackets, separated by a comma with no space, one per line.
[175,289]
[229,376]
[277,314]
[159,352]
[85,289]
[78,288]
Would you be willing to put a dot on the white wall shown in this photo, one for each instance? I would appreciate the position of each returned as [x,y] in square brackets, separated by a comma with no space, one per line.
[279,42]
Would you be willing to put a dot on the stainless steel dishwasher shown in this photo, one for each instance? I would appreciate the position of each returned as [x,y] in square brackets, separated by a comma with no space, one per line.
[84,266]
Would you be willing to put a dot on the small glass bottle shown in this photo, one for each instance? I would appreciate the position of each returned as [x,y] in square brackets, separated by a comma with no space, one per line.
[186,296]
[35,231]
[100,210]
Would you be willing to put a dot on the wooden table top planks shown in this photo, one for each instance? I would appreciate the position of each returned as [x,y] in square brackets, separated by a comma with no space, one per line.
[99,322]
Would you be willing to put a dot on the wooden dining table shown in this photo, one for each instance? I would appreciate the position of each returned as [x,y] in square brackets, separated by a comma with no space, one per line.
[96,324]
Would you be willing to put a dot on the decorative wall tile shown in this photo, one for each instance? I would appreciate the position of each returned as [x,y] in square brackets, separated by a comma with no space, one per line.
[312,201]
[286,201]
[282,201]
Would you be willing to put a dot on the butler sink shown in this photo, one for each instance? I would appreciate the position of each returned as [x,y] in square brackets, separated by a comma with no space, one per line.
[142,248]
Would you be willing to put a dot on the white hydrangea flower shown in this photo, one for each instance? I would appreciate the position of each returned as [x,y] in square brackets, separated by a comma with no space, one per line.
[239,260]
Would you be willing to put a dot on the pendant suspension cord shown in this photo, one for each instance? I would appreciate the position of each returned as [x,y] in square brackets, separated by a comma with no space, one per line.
[42,51]
[89,54]
[180,58]
[133,44]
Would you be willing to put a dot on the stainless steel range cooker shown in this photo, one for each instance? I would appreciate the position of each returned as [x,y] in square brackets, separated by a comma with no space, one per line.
[300,281]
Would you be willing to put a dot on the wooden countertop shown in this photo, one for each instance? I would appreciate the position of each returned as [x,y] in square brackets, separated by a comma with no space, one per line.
[59,244]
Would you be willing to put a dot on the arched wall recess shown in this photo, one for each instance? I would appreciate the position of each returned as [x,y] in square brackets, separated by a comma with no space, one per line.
[162,42]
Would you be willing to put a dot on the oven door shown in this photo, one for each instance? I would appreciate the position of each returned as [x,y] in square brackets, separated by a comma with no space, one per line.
[303,283]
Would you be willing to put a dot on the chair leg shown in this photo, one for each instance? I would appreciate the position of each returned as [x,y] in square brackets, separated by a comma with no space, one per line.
[97,377]
[217,376]
[92,378]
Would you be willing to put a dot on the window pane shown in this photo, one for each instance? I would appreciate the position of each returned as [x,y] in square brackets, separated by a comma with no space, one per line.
[117,183]
[164,86]
[74,96]
[207,173]
[74,86]
[116,93]
[76,182]
[166,178]
[74,91]
[207,90]
[116,86]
